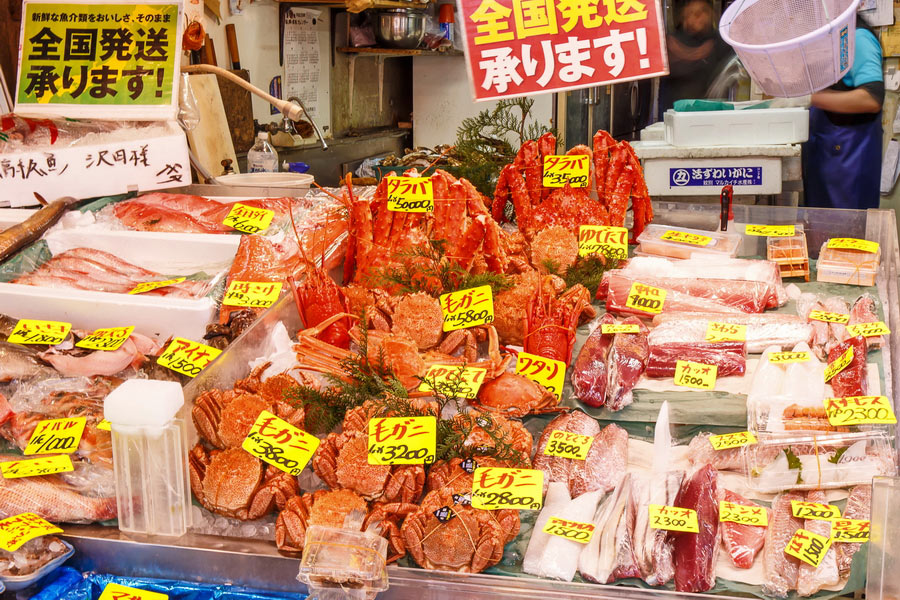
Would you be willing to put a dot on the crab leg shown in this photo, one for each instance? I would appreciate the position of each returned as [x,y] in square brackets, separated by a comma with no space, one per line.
[618,196]
[640,200]
[546,147]
[602,142]
[617,158]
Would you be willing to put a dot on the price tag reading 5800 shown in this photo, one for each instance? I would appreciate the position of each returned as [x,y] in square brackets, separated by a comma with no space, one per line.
[468,308]
[494,488]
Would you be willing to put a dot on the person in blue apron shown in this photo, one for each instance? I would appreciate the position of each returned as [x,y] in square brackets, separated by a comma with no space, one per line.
[842,159]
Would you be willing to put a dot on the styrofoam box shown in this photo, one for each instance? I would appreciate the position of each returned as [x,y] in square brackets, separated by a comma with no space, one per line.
[168,253]
[753,127]
[658,175]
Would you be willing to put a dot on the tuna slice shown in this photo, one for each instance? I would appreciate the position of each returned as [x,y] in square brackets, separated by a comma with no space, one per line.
[606,463]
[781,570]
[589,376]
[813,579]
[852,380]
[695,553]
[620,288]
[729,357]
[742,542]
[858,507]
[626,362]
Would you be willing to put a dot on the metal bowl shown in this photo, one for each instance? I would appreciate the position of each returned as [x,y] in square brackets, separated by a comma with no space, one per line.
[400,28]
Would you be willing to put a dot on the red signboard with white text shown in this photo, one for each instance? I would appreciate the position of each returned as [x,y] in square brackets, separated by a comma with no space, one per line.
[524,47]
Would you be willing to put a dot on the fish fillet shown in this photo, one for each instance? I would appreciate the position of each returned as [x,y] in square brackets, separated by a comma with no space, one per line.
[625,561]
[47,497]
[813,579]
[858,506]
[695,553]
[626,362]
[606,463]
[701,452]
[744,296]
[675,301]
[556,498]
[729,357]
[598,558]
[853,380]
[589,375]
[741,541]
[837,332]
[559,468]
[781,570]
[559,558]
[864,311]
[763,330]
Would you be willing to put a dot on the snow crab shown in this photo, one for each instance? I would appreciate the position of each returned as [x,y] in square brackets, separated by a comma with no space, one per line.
[515,395]
[236,484]
[449,535]
[341,461]
[552,322]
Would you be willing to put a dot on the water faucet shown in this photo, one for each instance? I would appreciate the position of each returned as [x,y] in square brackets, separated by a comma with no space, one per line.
[289,123]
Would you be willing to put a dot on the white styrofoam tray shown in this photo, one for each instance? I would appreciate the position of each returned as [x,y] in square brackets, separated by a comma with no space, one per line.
[753,127]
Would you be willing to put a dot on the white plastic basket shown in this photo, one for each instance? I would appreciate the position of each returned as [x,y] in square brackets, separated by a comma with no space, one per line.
[792,47]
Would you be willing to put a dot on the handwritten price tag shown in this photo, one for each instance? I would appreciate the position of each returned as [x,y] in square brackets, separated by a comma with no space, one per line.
[853,244]
[108,339]
[114,591]
[468,308]
[469,380]
[31,331]
[828,317]
[410,194]
[770,230]
[248,219]
[685,237]
[280,444]
[187,357]
[695,375]
[808,546]
[573,169]
[45,465]
[593,238]
[612,328]
[646,298]
[56,435]
[814,510]
[568,445]
[780,358]
[725,332]
[15,531]
[402,440]
[104,425]
[575,531]
[839,365]
[868,329]
[859,410]
[673,518]
[149,286]
[494,488]
[254,294]
[548,372]
[850,530]
[731,512]
[732,440]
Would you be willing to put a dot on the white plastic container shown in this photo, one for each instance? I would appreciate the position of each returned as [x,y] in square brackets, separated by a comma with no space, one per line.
[149,457]
[754,127]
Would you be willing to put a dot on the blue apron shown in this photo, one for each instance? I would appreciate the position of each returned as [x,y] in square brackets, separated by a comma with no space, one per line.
[842,160]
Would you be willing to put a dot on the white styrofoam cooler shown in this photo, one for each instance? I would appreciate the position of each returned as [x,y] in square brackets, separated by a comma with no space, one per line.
[680,177]
[752,127]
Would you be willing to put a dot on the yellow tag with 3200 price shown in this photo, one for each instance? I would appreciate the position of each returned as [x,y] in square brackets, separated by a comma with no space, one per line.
[593,238]
[685,237]
[725,332]
[278,443]
[441,379]
[781,358]
[548,372]
[248,219]
[402,440]
[149,286]
[612,328]
[770,230]
[808,546]
[732,512]
[561,170]
[695,375]
[850,530]
[839,364]
[646,298]
[15,531]
[495,488]
[252,294]
[109,339]
[673,518]
[828,317]
[468,308]
[575,531]
[853,244]
[859,410]
[568,445]
[32,467]
[54,436]
[801,509]
[868,329]
[732,440]
[410,194]
[31,331]
[187,357]
[114,591]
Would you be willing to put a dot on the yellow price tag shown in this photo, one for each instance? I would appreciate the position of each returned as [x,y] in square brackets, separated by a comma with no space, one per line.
[850,530]
[732,440]
[731,512]
[868,329]
[572,169]
[568,445]
[839,365]
[780,358]
[56,435]
[149,286]
[574,531]
[110,338]
[685,237]
[695,375]
[31,331]
[592,238]
[15,531]
[828,317]
[612,328]
[673,518]
[814,510]
[494,488]
[468,308]
[646,298]
[725,332]
[402,440]
[770,230]
[32,467]
[808,546]
[410,194]
[187,357]
[859,410]
[114,591]
[548,372]
[466,382]
[280,444]
[853,244]
[248,219]
[104,425]
[254,294]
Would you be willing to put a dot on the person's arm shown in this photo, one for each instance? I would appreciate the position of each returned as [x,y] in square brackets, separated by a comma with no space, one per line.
[858,101]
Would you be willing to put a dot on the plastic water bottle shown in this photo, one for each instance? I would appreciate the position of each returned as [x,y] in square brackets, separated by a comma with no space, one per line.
[262,157]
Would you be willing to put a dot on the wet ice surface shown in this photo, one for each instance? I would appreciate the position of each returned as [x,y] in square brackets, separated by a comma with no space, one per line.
[33,555]
[208,523]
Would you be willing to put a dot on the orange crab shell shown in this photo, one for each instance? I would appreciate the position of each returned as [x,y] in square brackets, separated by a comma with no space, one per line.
[357,419]
[324,507]
[418,316]
[513,395]
[513,432]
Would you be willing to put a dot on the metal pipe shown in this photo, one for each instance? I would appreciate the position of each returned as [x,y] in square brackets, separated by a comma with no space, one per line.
[315,127]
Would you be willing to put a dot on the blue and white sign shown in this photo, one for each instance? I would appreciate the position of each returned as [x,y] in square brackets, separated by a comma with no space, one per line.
[715,176]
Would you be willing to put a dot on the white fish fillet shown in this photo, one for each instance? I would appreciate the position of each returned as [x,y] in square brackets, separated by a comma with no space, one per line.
[804,382]
[598,559]
[813,579]
[559,558]
[556,498]
[781,569]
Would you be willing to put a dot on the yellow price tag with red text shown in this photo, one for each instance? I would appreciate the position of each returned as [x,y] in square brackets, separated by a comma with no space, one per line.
[465,382]
[495,488]
[850,530]
[859,410]
[32,331]
[646,298]
[574,531]
[568,445]
[467,308]
[868,329]
[808,546]
[853,244]
[410,194]
[571,169]
[149,286]
[732,512]
[839,364]
[32,467]
[248,219]
[402,440]
[114,591]
[732,440]
[252,294]
[187,357]
[828,317]
[56,435]
[15,531]
[593,238]
[278,443]
[548,372]
[770,230]
[685,237]
[673,518]
[695,375]
[109,339]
